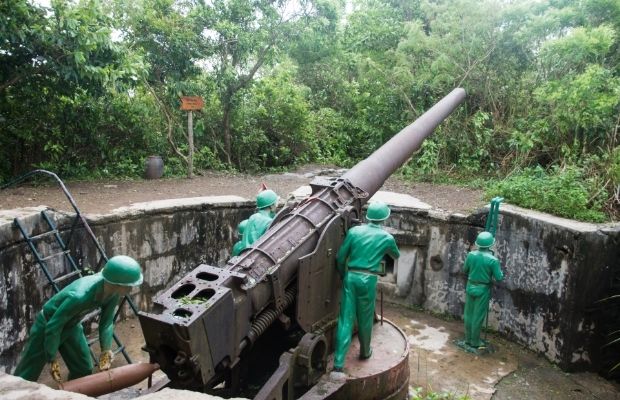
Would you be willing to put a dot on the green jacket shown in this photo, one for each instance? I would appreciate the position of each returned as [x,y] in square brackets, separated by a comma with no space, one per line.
[237,248]
[481,267]
[257,225]
[70,305]
[364,248]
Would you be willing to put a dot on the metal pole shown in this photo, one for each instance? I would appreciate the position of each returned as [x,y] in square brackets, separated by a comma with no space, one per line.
[381,306]
[190,139]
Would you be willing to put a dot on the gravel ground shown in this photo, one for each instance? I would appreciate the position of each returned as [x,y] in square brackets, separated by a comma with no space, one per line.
[105,195]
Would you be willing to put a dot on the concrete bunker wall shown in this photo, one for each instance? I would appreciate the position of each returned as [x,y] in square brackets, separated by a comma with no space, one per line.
[555,269]
[168,238]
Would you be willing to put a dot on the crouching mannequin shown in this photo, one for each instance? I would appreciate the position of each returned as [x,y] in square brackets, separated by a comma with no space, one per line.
[57,328]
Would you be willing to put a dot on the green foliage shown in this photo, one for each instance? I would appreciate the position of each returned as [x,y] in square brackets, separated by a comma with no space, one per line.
[330,139]
[185,300]
[91,88]
[427,162]
[60,75]
[562,191]
[580,107]
[419,393]
[270,124]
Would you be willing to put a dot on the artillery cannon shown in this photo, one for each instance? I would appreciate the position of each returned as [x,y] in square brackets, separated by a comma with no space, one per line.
[209,343]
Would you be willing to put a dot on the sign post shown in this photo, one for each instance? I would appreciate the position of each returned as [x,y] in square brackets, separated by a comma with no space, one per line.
[191,104]
[190,141]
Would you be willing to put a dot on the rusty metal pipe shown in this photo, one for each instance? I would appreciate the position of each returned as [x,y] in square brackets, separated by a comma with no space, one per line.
[109,381]
[370,173]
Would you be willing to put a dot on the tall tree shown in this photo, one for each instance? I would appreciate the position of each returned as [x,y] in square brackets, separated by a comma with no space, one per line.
[50,57]
[242,37]
[168,35]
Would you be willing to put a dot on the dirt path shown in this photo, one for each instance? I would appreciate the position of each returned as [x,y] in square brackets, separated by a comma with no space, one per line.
[103,196]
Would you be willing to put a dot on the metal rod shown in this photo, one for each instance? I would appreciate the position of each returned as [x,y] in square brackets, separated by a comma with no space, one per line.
[381,306]
[42,263]
[190,142]
[67,194]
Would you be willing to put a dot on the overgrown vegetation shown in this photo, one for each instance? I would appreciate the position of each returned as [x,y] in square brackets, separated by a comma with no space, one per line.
[89,89]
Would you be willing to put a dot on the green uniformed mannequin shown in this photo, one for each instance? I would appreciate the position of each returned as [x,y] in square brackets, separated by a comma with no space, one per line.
[481,267]
[258,223]
[236,250]
[58,327]
[359,263]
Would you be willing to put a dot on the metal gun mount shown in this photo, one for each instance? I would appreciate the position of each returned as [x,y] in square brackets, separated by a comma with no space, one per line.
[216,342]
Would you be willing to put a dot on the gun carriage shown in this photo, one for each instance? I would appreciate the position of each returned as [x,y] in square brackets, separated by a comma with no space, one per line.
[216,341]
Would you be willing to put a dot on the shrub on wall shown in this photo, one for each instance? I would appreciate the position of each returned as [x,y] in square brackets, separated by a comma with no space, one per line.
[563,191]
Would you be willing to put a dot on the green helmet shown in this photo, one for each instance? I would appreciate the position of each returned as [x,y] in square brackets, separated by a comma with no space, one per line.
[377,211]
[485,240]
[122,270]
[241,227]
[266,198]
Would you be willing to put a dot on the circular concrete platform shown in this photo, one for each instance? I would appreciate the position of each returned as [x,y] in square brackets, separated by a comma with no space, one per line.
[384,376]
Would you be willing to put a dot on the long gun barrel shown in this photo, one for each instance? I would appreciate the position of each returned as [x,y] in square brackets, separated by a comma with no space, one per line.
[370,173]
[203,328]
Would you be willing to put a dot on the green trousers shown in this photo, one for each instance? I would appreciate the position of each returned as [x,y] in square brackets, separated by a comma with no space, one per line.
[476,308]
[358,304]
[73,349]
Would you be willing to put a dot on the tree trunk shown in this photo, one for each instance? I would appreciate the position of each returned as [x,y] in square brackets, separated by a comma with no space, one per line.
[226,128]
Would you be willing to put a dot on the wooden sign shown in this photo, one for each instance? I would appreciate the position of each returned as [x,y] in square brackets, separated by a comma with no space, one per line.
[191,103]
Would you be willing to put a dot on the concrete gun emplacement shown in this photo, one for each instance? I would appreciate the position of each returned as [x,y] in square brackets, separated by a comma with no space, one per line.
[207,332]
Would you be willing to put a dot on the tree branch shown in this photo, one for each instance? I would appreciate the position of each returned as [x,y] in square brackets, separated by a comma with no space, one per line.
[11,81]
[472,66]
[170,123]
[243,80]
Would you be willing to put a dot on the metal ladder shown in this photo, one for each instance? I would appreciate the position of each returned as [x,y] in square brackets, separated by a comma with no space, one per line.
[75,270]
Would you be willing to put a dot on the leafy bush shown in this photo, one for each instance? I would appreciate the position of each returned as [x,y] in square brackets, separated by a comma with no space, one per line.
[270,125]
[330,140]
[204,158]
[565,192]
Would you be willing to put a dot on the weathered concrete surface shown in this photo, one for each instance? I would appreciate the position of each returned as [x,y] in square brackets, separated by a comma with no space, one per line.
[555,269]
[400,200]
[173,394]
[14,388]
[436,364]
[511,373]
[168,238]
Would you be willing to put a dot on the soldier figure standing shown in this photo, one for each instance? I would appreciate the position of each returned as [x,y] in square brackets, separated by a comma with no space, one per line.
[358,262]
[481,267]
